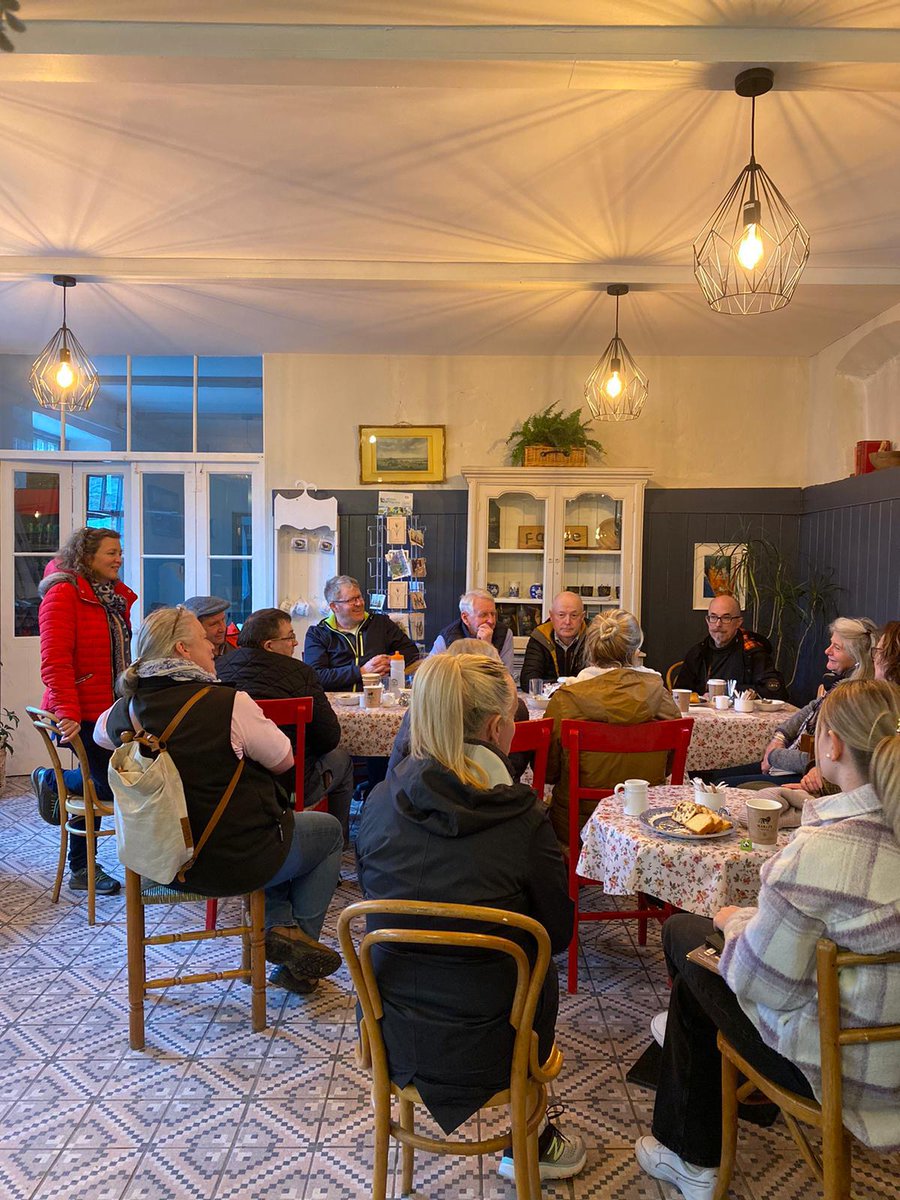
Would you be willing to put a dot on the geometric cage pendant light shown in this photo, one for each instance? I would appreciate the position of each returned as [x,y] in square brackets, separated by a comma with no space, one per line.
[616,388]
[753,249]
[62,376]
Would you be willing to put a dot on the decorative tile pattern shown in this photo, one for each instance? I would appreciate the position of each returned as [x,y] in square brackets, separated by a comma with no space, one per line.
[211,1111]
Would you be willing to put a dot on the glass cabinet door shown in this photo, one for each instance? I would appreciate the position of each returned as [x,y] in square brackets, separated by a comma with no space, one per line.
[592,551]
[516,559]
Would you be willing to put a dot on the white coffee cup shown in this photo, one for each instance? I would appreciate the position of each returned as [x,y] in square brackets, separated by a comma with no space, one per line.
[722,702]
[712,800]
[744,705]
[682,697]
[762,822]
[635,794]
[371,679]
[716,687]
[370,697]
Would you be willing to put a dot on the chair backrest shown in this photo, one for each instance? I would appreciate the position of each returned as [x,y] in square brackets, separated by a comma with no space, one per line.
[672,672]
[578,737]
[296,711]
[453,919]
[47,725]
[833,1036]
[534,735]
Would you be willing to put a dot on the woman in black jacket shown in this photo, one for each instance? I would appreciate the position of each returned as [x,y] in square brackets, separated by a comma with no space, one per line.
[450,825]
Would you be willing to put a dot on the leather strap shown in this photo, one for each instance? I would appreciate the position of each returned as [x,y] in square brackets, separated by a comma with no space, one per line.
[213,821]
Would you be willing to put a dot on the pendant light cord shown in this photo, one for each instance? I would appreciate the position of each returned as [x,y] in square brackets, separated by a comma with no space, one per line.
[753,148]
[65,329]
[617,318]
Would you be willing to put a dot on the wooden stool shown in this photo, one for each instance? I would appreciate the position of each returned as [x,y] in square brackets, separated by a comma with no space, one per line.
[139,893]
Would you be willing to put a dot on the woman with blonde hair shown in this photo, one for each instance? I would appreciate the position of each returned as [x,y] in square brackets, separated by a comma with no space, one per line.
[258,842]
[448,824]
[614,690]
[839,878]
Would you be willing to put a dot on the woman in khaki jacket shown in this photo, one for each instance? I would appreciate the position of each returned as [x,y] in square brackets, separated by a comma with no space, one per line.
[616,692]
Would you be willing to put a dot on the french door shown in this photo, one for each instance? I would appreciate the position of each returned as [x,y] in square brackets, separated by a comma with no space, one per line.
[187,529]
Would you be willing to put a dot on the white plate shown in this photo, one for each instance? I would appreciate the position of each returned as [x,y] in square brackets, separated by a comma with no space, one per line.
[772,703]
[660,821]
[347,698]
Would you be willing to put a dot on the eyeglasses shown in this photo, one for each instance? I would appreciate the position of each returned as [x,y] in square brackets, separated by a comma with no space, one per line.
[350,600]
[288,637]
[713,619]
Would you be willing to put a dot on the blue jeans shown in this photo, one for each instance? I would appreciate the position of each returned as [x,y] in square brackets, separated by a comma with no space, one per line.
[98,762]
[299,894]
[339,766]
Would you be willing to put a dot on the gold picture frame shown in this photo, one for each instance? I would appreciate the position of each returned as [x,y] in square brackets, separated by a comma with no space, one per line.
[402,454]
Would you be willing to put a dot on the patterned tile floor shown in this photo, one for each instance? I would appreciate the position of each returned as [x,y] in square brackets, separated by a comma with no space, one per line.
[211,1109]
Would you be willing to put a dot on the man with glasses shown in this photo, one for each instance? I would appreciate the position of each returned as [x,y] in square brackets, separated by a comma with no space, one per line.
[263,666]
[352,641]
[211,612]
[731,652]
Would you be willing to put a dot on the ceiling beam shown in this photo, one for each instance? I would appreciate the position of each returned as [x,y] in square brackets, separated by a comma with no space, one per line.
[479,274]
[578,56]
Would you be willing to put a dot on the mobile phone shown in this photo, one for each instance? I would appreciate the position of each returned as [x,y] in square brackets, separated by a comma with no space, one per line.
[716,941]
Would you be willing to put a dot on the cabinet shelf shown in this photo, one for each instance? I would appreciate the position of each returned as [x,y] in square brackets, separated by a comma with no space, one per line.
[517,600]
[509,550]
[592,550]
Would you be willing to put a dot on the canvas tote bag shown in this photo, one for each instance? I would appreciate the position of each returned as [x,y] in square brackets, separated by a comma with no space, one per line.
[153,833]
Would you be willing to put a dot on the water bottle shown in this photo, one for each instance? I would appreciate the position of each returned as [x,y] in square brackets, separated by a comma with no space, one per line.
[398,673]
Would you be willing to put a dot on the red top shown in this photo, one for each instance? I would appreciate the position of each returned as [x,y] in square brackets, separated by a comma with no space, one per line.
[76,654]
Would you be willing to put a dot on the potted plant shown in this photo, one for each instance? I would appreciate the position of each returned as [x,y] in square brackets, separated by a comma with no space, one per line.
[550,438]
[8,723]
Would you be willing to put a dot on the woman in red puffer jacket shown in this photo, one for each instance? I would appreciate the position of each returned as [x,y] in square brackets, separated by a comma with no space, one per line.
[85,644]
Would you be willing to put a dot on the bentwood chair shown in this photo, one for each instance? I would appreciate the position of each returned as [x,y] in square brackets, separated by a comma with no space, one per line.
[526,1096]
[832,1168]
[672,673]
[534,736]
[71,806]
[142,892]
[585,737]
[293,711]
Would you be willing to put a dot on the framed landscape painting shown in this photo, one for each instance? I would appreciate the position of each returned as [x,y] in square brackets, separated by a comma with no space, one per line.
[717,571]
[401,454]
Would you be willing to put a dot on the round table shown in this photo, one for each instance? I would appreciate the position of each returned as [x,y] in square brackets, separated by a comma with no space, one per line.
[368,732]
[701,877]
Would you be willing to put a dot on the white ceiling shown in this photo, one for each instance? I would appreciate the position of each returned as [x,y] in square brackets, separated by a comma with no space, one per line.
[461,179]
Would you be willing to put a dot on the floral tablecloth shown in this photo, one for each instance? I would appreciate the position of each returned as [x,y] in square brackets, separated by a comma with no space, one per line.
[723,739]
[700,877]
[368,732]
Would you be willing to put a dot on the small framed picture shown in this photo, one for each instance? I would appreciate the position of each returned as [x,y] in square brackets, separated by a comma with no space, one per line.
[401,454]
[718,571]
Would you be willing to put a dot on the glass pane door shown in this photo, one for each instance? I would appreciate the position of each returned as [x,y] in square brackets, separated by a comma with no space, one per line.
[231,542]
[36,519]
[592,555]
[164,519]
[515,559]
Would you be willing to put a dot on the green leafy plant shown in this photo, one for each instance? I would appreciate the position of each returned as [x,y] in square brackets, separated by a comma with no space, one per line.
[549,427]
[785,608]
[9,722]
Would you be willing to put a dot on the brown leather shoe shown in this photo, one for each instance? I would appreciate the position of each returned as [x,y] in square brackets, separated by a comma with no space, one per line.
[301,954]
[298,984]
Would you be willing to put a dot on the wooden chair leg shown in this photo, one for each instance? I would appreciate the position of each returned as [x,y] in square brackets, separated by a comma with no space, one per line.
[382,1146]
[258,960]
[729,1127]
[137,968]
[407,1153]
[836,1167]
[91,869]
[520,1145]
[63,847]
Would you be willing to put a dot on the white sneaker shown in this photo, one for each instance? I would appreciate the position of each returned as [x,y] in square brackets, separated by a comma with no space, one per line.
[659,1162]
[658,1027]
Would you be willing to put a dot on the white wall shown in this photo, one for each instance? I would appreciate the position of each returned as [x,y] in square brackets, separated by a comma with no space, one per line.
[708,422]
[854,395]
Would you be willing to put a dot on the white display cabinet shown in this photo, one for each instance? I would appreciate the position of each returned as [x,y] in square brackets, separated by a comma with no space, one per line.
[534,532]
[306,556]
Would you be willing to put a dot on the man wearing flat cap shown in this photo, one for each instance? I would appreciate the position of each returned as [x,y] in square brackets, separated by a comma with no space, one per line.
[210,612]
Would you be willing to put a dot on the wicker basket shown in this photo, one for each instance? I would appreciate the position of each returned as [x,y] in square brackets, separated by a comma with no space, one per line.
[549,456]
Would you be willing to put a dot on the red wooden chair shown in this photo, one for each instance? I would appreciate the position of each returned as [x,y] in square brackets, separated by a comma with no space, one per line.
[534,735]
[296,711]
[579,737]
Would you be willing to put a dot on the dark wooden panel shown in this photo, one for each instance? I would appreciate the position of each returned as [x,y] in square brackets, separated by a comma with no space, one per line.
[444,515]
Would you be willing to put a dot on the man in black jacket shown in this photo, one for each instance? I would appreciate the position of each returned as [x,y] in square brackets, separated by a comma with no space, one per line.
[731,652]
[263,666]
[556,647]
